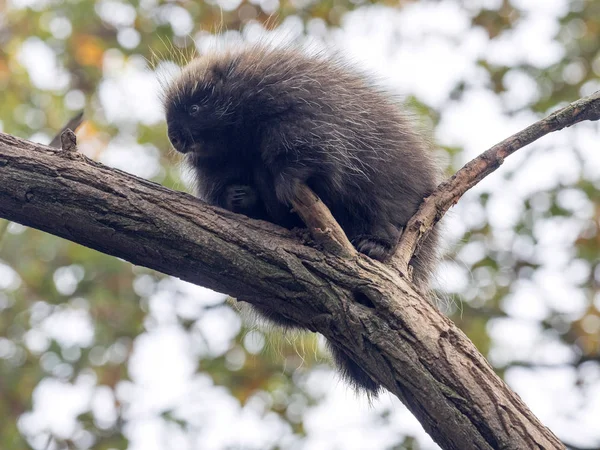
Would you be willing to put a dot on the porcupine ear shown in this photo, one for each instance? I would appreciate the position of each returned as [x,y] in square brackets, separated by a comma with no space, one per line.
[222,70]
[218,74]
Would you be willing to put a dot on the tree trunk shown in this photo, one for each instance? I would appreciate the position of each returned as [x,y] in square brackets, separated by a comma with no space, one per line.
[365,307]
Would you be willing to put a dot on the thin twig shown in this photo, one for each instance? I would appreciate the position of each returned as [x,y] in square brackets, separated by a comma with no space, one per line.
[72,125]
[449,192]
[68,141]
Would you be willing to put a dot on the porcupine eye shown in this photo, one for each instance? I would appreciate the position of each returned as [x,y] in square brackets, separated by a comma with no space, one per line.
[194,109]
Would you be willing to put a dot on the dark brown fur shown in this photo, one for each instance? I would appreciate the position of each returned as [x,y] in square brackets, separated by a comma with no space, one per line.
[255,123]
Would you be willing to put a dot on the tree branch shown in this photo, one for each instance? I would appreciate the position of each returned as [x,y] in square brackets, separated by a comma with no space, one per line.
[400,339]
[323,227]
[397,336]
[448,193]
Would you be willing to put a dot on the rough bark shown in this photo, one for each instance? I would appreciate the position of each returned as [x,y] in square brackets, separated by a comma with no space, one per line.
[368,308]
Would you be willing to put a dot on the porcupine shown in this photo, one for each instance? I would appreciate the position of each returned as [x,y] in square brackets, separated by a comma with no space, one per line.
[255,122]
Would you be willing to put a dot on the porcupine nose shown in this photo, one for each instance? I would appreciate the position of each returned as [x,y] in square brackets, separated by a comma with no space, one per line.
[176,137]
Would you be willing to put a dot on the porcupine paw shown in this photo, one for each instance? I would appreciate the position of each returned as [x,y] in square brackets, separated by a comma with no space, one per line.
[240,198]
[372,247]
